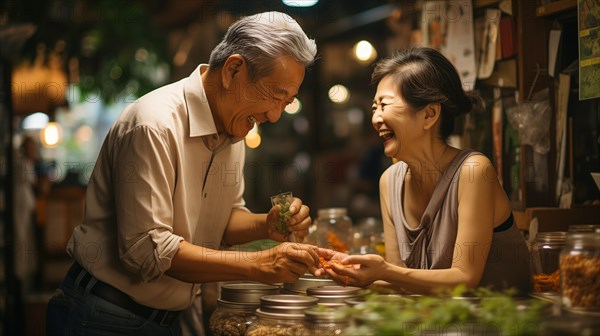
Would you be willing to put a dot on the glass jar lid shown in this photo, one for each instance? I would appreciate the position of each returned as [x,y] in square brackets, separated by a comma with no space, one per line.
[584,240]
[332,212]
[285,305]
[246,292]
[551,237]
[584,228]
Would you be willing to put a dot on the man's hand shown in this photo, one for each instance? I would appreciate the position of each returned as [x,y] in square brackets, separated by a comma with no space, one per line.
[285,263]
[298,224]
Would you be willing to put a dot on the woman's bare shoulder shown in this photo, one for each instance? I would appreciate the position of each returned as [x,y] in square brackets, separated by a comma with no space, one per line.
[478,167]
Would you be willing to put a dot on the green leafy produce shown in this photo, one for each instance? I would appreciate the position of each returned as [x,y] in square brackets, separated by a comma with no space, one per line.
[483,312]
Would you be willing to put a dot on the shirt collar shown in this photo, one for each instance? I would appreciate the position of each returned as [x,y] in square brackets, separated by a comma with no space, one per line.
[199,113]
[200,116]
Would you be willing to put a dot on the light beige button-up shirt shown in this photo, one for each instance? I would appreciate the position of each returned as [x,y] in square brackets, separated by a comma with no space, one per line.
[162,176]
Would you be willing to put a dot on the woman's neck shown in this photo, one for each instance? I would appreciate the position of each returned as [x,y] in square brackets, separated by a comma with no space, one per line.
[427,168]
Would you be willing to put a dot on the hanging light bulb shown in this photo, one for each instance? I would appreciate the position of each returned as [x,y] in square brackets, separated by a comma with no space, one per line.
[299,3]
[51,135]
[253,138]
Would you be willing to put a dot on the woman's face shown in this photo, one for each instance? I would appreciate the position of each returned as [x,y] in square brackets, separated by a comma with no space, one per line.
[393,119]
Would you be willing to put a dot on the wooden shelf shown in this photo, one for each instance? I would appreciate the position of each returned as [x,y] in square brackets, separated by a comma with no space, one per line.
[555,7]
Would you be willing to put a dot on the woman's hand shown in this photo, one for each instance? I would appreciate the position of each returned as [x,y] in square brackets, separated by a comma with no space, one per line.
[326,258]
[298,223]
[353,270]
[284,263]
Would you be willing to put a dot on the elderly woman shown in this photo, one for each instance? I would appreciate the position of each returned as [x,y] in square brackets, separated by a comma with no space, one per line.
[447,220]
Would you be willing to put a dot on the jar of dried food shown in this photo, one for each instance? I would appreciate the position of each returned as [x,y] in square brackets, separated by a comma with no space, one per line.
[580,273]
[236,307]
[334,229]
[545,253]
[334,296]
[281,315]
[324,322]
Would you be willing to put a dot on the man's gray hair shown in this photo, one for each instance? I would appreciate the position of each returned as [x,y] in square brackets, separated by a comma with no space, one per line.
[261,39]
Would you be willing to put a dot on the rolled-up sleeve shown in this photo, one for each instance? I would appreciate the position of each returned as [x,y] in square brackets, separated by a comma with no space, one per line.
[144,187]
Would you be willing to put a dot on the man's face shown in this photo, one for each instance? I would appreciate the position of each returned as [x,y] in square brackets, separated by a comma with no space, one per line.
[264,99]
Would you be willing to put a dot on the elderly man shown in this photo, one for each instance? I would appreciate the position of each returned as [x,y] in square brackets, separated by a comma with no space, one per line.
[167,191]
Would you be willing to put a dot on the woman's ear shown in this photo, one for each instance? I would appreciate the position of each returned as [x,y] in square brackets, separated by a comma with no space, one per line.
[432,113]
[232,68]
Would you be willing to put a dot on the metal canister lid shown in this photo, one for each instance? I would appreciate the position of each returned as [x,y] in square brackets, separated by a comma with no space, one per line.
[334,295]
[246,292]
[306,281]
[285,305]
[323,315]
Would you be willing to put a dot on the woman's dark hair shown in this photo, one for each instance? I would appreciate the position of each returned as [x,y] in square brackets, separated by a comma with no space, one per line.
[425,76]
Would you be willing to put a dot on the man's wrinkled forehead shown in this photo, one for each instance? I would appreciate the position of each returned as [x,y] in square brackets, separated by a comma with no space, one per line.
[282,88]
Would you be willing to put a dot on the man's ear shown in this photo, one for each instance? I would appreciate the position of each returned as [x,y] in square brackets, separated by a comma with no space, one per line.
[432,113]
[232,68]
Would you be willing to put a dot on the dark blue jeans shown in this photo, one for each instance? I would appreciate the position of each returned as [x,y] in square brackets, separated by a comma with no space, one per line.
[76,311]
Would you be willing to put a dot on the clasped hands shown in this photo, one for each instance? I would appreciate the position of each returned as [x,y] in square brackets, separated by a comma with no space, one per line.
[289,261]
[350,270]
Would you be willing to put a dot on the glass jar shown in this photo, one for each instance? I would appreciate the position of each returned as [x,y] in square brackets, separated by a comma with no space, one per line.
[368,237]
[334,229]
[236,307]
[281,315]
[580,273]
[324,322]
[545,253]
[334,296]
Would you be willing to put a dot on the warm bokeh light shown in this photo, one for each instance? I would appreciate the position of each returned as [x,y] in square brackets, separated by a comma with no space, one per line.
[364,51]
[356,116]
[141,55]
[253,138]
[339,94]
[51,135]
[294,107]
[84,134]
[301,125]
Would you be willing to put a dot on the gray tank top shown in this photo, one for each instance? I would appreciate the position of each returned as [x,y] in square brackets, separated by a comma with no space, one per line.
[432,244]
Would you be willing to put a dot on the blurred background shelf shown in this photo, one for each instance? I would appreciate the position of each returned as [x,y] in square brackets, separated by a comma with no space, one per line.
[555,7]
